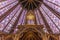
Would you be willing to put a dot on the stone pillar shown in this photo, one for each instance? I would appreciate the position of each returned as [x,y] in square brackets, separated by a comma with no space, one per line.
[59,37]
[16,37]
[2,37]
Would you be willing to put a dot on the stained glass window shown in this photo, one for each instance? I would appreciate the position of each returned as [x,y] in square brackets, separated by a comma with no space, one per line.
[12,14]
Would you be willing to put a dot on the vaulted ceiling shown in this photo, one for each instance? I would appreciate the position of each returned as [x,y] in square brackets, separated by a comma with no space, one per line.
[13,13]
[30,4]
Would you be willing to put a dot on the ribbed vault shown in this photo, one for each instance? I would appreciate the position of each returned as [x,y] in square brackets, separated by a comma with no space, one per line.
[31,36]
[30,4]
[31,32]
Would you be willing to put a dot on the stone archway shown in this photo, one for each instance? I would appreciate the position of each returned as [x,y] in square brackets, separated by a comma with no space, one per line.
[31,33]
[52,38]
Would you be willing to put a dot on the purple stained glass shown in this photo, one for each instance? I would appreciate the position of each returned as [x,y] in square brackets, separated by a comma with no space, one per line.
[7,21]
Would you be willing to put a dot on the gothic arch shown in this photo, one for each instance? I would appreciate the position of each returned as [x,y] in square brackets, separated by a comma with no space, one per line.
[33,33]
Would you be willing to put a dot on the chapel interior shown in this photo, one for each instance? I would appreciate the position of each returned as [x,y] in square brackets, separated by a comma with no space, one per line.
[29,19]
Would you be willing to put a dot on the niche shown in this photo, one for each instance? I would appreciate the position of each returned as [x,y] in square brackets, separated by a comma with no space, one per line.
[52,38]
